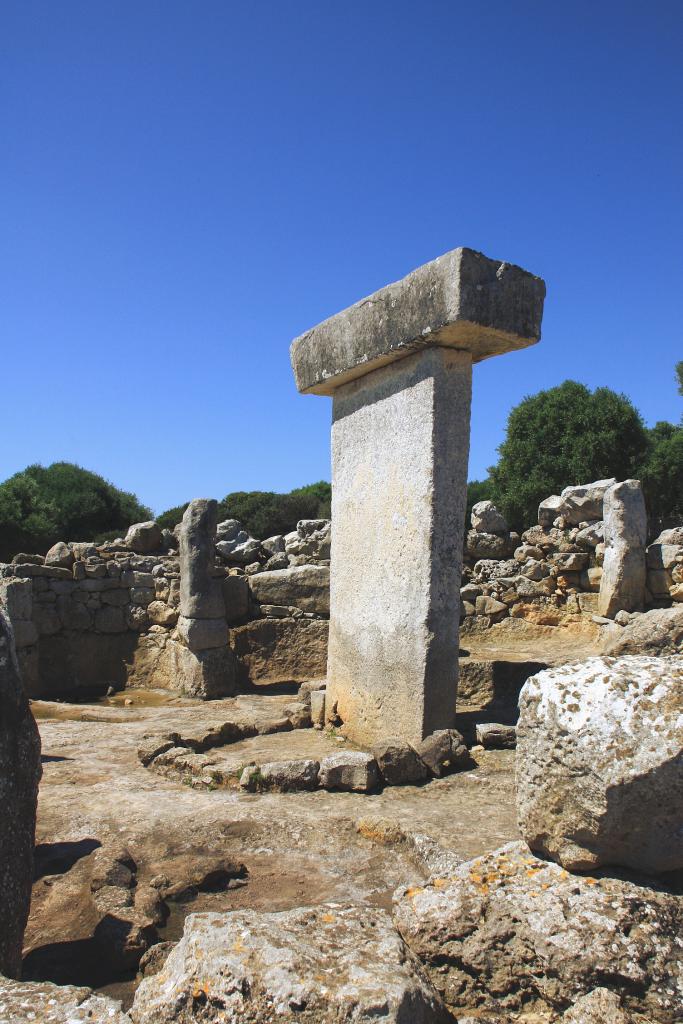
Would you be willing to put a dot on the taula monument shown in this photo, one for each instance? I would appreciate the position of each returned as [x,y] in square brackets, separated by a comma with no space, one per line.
[398,365]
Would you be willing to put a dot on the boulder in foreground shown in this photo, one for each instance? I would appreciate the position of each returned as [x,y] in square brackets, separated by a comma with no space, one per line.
[600,763]
[509,931]
[330,964]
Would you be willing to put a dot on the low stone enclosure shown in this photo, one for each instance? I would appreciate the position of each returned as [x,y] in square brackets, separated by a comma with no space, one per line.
[87,617]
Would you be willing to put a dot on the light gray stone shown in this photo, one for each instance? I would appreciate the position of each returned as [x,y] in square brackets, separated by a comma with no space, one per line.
[143,537]
[200,634]
[622,586]
[329,964]
[549,510]
[282,776]
[487,545]
[487,519]
[349,770]
[41,1002]
[20,773]
[592,535]
[205,674]
[462,299]
[584,502]
[305,586]
[400,440]
[317,698]
[600,763]
[200,592]
[507,929]
[658,632]
[60,554]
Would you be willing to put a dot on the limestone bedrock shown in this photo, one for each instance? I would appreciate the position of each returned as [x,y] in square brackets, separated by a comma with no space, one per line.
[399,365]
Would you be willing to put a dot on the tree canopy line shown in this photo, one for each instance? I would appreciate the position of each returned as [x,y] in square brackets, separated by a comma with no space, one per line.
[565,435]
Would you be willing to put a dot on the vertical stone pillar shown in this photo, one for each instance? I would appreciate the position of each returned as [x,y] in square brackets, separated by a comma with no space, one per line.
[399,367]
[202,662]
[398,510]
[624,571]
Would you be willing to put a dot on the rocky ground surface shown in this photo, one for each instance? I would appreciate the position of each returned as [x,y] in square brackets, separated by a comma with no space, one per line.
[124,854]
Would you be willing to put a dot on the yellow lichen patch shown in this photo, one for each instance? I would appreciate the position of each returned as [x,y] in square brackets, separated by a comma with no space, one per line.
[238,946]
[591,881]
[414,890]
[329,918]
[440,883]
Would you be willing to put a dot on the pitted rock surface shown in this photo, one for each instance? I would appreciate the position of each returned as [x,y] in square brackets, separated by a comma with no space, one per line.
[600,763]
[315,965]
[508,928]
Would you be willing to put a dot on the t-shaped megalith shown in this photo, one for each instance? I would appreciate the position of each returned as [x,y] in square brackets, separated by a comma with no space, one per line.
[399,367]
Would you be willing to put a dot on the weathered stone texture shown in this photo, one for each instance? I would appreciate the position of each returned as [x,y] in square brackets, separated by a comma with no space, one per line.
[330,964]
[400,441]
[41,1002]
[462,299]
[19,776]
[280,650]
[622,586]
[600,763]
[306,587]
[507,929]
[200,592]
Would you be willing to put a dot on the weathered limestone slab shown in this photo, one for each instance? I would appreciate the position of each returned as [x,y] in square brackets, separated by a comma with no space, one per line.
[400,443]
[399,365]
[624,571]
[19,775]
[461,300]
[200,592]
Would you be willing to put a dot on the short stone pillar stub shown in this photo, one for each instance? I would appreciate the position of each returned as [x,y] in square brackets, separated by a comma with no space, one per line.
[399,367]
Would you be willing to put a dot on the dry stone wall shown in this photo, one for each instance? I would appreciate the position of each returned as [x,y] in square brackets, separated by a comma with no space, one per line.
[89,617]
[573,562]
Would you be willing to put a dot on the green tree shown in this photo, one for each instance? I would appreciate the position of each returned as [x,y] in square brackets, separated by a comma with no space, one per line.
[679,377]
[565,435]
[662,471]
[42,505]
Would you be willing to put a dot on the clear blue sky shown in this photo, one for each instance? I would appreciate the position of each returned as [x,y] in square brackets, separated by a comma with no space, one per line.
[186,186]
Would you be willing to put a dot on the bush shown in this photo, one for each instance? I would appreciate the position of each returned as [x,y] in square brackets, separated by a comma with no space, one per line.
[566,435]
[266,513]
[42,505]
[662,471]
